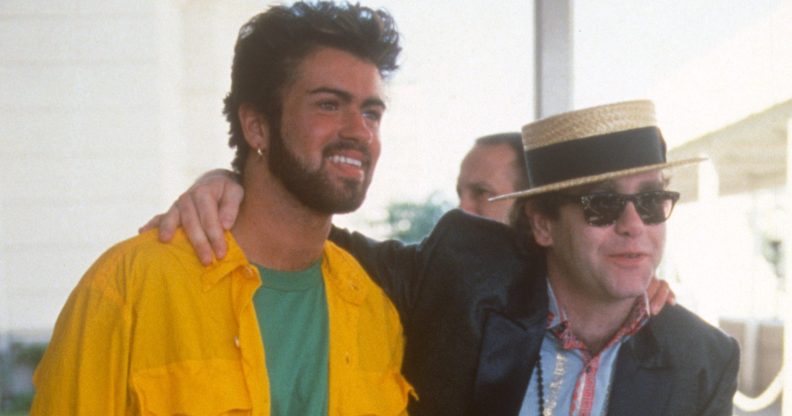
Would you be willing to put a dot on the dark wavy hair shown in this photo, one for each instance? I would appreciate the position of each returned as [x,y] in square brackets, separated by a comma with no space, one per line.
[272,44]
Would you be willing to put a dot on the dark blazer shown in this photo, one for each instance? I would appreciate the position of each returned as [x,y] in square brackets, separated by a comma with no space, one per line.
[473,302]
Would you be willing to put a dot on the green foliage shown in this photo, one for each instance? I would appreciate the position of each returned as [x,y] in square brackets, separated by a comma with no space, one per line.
[18,356]
[18,404]
[28,354]
[412,221]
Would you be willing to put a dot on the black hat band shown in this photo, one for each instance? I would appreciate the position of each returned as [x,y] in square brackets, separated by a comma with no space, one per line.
[595,155]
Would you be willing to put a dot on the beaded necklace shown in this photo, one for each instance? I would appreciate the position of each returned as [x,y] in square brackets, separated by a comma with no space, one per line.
[539,387]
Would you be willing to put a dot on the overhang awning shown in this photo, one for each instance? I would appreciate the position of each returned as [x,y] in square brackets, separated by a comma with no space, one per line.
[749,154]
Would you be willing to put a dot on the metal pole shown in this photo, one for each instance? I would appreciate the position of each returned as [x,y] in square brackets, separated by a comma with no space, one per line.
[553,48]
[786,398]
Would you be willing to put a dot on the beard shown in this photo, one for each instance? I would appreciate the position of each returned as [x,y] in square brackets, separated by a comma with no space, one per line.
[313,188]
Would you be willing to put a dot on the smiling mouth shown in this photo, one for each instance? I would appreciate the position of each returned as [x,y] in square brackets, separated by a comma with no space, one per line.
[628,259]
[346,161]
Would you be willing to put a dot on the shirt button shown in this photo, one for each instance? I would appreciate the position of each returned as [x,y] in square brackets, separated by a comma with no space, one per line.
[236,341]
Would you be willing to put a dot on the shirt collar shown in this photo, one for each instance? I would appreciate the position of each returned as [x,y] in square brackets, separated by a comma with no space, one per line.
[555,315]
[558,320]
[233,259]
[343,271]
[345,274]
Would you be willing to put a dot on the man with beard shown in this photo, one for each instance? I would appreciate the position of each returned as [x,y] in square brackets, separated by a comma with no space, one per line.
[287,323]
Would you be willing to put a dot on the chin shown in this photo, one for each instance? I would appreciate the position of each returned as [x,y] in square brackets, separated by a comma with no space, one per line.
[630,287]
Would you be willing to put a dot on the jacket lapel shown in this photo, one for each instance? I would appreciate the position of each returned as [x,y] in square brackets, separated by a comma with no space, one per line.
[643,377]
[511,338]
[508,354]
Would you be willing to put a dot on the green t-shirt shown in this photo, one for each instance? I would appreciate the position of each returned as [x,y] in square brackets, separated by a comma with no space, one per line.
[292,314]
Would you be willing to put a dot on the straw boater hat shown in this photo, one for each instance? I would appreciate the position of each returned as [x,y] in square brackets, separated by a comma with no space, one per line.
[592,145]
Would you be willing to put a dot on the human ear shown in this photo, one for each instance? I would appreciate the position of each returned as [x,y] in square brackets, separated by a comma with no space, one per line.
[255,127]
[541,227]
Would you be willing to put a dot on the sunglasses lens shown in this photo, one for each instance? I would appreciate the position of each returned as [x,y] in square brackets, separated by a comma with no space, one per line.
[603,209]
[655,207]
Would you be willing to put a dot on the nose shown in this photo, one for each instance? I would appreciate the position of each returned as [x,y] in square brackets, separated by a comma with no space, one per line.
[357,127]
[629,222]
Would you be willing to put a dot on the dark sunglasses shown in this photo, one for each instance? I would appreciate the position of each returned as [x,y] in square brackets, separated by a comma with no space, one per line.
[604,208]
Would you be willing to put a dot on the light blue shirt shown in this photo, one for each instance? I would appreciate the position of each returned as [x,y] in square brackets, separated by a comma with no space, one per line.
[574,382]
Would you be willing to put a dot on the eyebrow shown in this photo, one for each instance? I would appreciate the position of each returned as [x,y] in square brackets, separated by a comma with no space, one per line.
[347,97]
[478,186]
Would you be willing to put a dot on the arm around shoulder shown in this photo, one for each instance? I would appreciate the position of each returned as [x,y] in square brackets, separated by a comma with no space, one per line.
[403,270]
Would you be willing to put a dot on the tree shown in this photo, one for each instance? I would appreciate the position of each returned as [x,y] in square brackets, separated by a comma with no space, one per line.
[412,221]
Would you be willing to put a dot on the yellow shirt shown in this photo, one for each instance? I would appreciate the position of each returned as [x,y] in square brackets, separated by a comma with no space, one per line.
[151,331]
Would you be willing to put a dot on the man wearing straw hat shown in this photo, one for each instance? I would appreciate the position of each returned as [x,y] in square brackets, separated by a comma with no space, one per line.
[550,316]
[596,208]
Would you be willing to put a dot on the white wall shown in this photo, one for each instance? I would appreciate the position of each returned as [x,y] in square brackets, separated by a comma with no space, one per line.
[94,95]
[78,120]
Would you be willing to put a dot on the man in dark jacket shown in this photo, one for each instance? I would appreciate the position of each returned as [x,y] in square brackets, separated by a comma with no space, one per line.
[550,316]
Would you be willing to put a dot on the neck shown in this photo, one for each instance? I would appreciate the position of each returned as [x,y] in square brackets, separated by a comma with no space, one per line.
[273,228]
[593,321]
